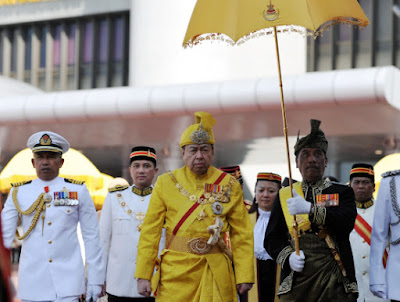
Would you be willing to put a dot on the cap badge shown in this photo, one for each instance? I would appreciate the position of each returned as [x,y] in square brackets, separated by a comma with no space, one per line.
[45,140]
[200,136]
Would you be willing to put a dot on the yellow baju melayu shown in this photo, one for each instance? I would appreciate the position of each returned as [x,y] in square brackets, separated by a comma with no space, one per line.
[185,275]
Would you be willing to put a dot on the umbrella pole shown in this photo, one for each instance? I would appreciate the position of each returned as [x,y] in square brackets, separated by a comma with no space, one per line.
[295,225]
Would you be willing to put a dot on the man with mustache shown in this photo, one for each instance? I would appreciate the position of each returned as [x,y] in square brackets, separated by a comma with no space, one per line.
[49,209]
[325,212]
[362,180]
[196,204]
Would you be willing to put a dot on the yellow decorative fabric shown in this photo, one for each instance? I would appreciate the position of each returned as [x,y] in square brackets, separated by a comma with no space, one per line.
[187,276]
[200,132]
[253,293]
[303,221]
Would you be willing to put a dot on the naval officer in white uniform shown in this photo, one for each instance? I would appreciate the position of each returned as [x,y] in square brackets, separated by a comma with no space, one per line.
[384,283]
[121,220]
[362,180]
[49,209]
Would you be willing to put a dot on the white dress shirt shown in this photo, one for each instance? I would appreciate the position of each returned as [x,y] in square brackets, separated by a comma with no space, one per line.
[259,235]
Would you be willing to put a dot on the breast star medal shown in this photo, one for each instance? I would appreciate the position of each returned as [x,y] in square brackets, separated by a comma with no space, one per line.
[140,217]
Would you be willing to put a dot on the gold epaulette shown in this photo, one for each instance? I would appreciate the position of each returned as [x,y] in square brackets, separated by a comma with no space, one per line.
[118,188]
[73,181]
[17,184]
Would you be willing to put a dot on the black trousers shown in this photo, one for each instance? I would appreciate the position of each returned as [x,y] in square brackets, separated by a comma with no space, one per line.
[266,273]
[112,298]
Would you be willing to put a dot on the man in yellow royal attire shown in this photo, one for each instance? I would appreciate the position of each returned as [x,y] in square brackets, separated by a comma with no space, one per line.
[196,204]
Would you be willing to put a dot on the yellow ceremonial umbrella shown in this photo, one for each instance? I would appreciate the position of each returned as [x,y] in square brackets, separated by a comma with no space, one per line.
[236,21]
[98,196]
[76,166]
[388,163]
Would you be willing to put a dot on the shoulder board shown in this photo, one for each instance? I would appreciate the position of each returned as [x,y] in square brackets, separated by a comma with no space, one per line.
[391,173]
[17,184]
[117,188]
[339,184]
[73,181]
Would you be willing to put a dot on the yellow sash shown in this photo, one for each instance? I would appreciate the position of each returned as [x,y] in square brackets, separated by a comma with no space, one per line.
[303,221]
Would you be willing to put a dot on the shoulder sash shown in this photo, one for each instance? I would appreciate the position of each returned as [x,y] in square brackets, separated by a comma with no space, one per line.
[363,228]
[190,211]
[303,221]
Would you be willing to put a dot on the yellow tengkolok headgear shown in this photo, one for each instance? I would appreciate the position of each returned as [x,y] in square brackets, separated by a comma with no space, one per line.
[201,132]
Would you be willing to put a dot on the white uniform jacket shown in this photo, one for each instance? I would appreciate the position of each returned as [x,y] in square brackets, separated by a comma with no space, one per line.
[361,256]
[387,221]
[119,235]
[51,264]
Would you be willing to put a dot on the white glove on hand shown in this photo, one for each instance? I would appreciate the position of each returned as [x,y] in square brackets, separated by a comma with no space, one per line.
[378,290]
[298,205]
[93,292]
[296,262]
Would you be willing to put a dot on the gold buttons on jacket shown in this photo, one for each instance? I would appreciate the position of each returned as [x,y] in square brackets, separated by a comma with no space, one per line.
[68,211]
[142,199]
[50,242]
[364,256]
[49,223]
[50,260]
[48,205]
[364,273]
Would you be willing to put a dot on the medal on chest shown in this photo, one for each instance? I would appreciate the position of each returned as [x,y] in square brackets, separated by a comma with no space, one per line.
[47,197]
[65,198]
[139,216]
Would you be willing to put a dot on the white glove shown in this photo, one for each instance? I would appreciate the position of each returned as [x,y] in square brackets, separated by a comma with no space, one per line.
[296,262]
[378,290]
[93,292]
[298,205]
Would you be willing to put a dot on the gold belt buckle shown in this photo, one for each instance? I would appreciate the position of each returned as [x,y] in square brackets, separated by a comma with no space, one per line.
[198,246]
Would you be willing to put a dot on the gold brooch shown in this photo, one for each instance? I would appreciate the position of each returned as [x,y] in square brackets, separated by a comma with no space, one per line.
[202,215]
